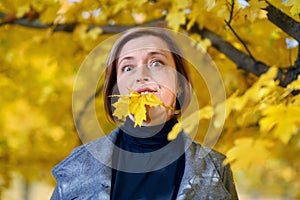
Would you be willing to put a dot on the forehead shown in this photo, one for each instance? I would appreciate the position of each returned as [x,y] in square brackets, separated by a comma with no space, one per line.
[144,42]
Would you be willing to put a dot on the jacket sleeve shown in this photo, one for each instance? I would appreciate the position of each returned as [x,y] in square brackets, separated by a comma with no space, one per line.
[228,181]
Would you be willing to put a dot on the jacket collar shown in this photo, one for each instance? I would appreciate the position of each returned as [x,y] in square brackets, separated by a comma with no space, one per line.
[200,170]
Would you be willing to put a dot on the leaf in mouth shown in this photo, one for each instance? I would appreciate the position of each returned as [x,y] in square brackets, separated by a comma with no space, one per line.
[136,104]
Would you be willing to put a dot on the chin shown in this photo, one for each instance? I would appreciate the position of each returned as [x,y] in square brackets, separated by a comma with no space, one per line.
[158,115]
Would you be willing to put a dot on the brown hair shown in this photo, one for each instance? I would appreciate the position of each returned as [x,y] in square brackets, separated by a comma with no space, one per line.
[181,65]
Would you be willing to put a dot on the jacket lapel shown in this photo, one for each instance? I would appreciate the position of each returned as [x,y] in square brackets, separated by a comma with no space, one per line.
[201,179]
[102,150]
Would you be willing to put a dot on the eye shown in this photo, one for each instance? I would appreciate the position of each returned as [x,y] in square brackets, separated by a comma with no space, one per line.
[127,68]
[156,64]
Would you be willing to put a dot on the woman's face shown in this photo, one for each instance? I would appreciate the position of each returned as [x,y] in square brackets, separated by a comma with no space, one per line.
[146,65]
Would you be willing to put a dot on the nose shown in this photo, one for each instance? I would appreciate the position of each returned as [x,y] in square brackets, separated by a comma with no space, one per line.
[143,79]
[143,74]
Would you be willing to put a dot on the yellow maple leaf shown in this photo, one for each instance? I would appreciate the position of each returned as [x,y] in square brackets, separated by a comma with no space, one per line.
[175,130]
[265,85]
[22,10]
[94,33]
[210,4]
[248,152]
[295,6]
[252,9]
[296,100]
[295,85]
[281,121]
[190,122]
[175,18]
[65,6]
[194,15]
[136,104]
[233,103]
[119,6]
[122,108]
[206,112]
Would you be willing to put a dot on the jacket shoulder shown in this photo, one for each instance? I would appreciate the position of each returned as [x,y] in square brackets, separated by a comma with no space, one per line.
[78,159]
[214,167]
[216,156]
[201,154]
[84,158]
[82,175]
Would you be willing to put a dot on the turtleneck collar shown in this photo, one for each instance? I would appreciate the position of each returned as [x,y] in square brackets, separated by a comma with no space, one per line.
[146,138]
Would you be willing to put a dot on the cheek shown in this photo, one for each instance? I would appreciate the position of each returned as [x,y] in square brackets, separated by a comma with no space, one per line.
[168,86]
[122,88]
[123,85]
[168,81]
[167,97]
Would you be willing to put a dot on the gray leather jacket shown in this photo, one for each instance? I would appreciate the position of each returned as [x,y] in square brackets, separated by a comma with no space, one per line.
[82,176]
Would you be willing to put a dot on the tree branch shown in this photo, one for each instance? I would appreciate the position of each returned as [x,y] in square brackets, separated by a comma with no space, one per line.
[70,27]
[290,74]
[231,11]
[297,63]
[283,21]
[242,60]
[239,38]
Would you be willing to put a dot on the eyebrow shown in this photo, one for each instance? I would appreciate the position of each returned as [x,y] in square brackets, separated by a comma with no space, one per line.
[150,53]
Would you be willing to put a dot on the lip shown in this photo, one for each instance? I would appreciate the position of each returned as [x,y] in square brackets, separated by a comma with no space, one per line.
[146,89]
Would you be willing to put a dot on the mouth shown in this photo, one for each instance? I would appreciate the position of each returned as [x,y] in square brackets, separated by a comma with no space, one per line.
[144,91]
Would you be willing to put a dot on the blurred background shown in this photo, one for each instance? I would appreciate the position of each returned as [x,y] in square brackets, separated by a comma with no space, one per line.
[44,43]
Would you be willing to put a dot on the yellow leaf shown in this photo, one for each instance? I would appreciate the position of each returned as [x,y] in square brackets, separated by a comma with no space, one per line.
[49,14]
[296,100]
[233,103]
[193,16]
[65,6]
[122,109]
[281,121]
[94,33]
[136,104]
[253,9]
[189,122]
[23,10]
[295,6]
[140,3]
[206,112]
[175,130]
[248,152]
[295,85]
[119,6]
[175,18]
[137,107]
[210,4]
[263,87]
[183,4]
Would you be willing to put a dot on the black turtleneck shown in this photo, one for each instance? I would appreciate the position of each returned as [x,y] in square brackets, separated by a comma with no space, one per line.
[162,183]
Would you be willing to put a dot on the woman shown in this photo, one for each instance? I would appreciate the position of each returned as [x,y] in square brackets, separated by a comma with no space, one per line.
[143,163]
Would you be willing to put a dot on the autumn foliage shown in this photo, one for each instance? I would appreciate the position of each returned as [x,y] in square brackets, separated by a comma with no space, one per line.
[254,44]
[135,104]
